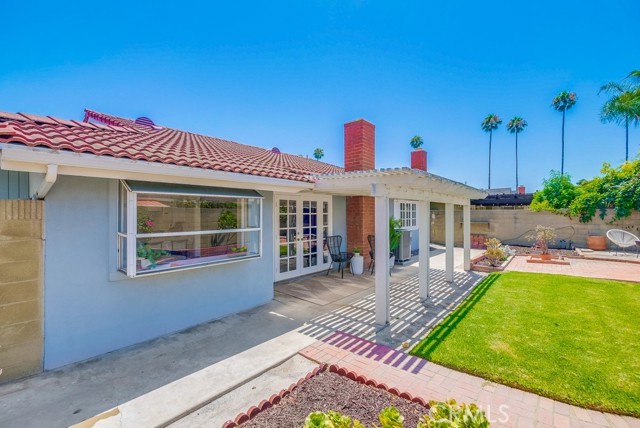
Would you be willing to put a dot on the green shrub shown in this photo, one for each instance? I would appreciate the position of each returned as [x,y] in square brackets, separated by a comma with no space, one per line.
[444,414]
[451,414]
[494,254]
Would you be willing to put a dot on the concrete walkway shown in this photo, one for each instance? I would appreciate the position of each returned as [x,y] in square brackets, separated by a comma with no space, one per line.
[604,269]
[77,392]
[505,406]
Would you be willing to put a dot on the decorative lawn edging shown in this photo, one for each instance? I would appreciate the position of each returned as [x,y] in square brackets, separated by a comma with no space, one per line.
[476,266]
[253,411]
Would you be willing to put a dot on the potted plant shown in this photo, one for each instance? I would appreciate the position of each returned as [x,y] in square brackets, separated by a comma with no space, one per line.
[543,236]
[597,242]
[394,239]
[357,262]
[148,257]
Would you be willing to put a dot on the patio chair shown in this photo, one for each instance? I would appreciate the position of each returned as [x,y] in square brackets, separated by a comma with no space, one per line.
[334,243]
[372,252]
[623,239]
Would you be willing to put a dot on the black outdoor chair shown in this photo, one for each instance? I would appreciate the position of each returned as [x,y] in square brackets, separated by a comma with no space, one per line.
[372,252]
[341,258]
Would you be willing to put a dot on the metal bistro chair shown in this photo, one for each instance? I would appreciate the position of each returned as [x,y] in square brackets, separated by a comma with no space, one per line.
[372,252]
[334,243]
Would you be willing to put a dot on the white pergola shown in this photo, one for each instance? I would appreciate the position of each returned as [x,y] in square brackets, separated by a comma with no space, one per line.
[408,184]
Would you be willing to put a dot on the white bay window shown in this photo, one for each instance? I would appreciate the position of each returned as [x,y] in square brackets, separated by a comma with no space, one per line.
[165,227]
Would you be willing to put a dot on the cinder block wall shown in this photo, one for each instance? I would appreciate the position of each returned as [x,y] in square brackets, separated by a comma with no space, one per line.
[511,226]
[21,288]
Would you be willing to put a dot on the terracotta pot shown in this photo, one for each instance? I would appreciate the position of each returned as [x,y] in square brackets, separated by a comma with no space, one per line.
[546,256]
[597,243]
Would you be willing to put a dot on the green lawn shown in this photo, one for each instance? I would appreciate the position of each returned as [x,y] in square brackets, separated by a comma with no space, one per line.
[569,338]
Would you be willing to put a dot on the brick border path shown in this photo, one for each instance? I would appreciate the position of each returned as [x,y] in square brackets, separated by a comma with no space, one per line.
[427,380]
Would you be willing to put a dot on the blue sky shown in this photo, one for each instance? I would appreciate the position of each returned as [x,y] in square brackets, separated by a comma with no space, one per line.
[289,74]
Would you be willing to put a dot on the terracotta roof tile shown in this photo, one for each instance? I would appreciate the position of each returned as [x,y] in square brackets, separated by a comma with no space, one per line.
[123,138]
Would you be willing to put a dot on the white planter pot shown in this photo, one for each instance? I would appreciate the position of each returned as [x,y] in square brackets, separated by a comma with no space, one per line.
[357,265]
[392,261]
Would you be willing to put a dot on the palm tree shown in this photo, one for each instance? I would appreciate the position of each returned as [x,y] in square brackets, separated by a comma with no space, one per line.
[490,124]
[416,142]
[318,153]
[563,102]
[622,108]
[516,126]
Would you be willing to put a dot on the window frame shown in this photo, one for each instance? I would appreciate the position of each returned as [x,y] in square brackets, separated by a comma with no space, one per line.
[130,215]
[413,212]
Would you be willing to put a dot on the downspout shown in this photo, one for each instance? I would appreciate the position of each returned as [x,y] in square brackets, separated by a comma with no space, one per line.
[48,182]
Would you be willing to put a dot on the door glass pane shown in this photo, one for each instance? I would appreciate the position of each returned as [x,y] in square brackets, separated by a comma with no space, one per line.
[284,266]
[325,207]
[305,261]
[283,207]
[292,206]
[292,249]
[292,263]
[283,220]
[292,220]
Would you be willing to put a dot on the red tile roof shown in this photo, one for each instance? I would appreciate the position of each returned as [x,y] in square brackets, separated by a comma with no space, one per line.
[124,138]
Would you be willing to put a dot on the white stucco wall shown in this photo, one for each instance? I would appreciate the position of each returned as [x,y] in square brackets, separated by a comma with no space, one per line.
[91,309]
[339,217]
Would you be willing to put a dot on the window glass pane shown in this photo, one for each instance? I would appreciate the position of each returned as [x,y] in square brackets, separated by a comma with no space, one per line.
[157,254]
[122,209]
[122,253]
[176,213]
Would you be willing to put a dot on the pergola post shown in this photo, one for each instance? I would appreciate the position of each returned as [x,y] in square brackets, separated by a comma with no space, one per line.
[424,235]
[448,228]
[382,260]
[466,221]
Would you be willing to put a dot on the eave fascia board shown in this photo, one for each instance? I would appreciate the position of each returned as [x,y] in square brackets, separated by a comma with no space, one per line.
[31,159]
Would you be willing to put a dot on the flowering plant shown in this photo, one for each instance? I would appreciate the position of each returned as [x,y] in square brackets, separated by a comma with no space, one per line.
[145,223]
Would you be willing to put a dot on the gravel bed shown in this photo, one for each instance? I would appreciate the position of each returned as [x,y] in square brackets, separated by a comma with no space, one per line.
[330,391]
[554,252]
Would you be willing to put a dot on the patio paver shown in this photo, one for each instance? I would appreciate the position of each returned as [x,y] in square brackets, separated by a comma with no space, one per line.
[505,406]
[602,269]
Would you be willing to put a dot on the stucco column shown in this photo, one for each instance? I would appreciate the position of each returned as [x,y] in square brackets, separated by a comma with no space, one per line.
[424,238]
[466,221]
[382,260]
[448,230]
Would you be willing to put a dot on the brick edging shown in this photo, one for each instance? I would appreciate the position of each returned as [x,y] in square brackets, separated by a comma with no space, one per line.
[253,411]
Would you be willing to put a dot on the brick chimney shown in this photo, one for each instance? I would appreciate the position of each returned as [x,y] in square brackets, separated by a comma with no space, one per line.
[419,159]
[521,190]
[359,155]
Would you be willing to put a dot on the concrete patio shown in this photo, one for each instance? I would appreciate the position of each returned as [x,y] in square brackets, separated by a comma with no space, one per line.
[74,393]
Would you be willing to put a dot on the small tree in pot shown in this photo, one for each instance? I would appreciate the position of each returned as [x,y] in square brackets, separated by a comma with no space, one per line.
[394,237]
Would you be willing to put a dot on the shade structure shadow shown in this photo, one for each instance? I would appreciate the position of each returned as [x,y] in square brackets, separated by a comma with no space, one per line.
[410,318]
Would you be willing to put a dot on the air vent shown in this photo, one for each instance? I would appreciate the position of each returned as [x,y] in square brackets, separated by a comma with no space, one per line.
[275,150]
[145,121]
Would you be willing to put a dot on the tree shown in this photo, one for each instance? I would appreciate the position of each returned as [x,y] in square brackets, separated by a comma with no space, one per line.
[622,108]
[516,126]
[318,153]
[563,102]
[416,142]
[490,124]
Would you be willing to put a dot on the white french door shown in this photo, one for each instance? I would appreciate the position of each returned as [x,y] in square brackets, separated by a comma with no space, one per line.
[301,223]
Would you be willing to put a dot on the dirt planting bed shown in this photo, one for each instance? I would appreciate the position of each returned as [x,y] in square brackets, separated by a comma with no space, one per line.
[331,391]
[522,251]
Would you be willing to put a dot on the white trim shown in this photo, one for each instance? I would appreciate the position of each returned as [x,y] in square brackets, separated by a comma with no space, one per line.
[20,158]
[49,180]
[132,222]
